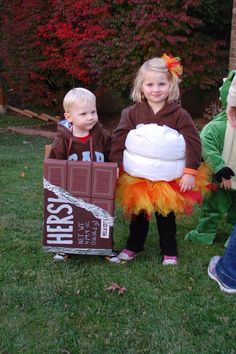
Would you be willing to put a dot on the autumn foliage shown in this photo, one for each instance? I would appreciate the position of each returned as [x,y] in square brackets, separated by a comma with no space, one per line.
[49,46]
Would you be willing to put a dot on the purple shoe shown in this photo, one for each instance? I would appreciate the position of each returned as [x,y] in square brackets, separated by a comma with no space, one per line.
[211,270]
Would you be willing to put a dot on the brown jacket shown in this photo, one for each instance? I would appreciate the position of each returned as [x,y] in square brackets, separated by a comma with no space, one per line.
[80,150]
[172,115]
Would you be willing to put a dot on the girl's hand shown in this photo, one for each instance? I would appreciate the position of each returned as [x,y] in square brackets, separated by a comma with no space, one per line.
[187,182]
[226,183]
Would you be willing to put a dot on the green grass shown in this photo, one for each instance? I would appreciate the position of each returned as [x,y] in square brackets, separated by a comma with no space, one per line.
[11,120]
[48,307]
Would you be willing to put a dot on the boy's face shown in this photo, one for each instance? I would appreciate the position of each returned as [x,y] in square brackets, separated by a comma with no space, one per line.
[83,116]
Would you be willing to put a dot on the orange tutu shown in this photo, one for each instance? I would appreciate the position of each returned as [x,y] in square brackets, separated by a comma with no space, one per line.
[137,195]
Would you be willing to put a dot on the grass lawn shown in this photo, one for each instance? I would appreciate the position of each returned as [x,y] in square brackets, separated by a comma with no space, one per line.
[8,120]
[49,307]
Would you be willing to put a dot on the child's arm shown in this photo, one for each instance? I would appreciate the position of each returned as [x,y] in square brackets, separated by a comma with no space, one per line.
[187,128]
[212,137]
[193,155]
[107,146]
[119,137]
[59,149]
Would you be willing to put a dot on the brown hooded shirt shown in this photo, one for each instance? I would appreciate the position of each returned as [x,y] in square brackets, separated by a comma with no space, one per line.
[80,150]
[171,115]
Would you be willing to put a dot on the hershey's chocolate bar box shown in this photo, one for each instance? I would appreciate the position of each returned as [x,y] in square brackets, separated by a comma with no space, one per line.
[79,206]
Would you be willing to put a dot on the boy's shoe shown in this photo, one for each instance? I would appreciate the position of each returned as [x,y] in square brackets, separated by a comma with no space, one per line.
[170,260]
[127,255]
[211,270]
[113,258]
[114,253]
[60,257]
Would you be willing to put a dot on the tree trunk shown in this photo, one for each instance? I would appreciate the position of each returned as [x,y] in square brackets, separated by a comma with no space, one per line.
[232,53]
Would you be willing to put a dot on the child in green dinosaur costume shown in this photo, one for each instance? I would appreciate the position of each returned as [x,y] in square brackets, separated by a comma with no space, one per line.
[219,151]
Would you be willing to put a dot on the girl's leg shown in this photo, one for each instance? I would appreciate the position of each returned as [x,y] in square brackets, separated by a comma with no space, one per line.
[166,226]
[138,233]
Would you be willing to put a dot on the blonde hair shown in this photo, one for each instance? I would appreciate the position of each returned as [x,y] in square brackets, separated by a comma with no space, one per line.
[75,95]
[158,65]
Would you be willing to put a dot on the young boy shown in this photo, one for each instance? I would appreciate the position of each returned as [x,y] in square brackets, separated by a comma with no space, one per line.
[80,136]
[223,269]
[218,148]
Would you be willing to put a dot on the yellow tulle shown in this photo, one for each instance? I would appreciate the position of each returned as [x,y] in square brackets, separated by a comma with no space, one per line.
[137,195]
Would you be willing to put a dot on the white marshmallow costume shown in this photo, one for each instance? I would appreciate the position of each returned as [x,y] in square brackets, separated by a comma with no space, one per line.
[154,162]
[154,152]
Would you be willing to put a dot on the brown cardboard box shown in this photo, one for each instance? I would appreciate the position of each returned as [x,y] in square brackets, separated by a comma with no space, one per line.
[79,206]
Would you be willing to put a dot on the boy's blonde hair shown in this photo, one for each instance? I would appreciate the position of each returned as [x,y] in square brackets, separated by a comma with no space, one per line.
[75,95]
[159,65]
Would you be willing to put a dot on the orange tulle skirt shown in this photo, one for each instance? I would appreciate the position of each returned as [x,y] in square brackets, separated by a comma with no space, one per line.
[137,195]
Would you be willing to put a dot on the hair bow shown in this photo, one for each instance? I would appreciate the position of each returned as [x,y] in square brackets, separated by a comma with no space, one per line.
[173,64]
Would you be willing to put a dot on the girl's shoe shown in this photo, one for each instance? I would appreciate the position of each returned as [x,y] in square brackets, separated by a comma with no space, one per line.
[170,260]
[127,255]
[60,257]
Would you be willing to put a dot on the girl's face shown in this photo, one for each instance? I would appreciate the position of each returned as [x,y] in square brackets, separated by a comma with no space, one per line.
[155,88]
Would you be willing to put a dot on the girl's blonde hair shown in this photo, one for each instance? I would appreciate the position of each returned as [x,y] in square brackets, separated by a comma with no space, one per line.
[158,65]
[77,94]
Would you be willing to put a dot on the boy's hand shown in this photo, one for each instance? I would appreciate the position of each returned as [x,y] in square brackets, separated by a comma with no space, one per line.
[187,182]
[231,114]
[226,183]
[224,173]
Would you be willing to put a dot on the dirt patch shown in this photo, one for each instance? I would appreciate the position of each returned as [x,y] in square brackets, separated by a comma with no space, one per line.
[32,132]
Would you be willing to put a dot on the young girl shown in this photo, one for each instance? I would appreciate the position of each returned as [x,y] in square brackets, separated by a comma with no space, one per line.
[159,147]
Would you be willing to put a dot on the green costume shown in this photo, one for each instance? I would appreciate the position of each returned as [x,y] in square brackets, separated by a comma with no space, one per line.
[222,201]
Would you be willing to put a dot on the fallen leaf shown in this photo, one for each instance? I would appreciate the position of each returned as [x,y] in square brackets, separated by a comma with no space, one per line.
[113,287]
[122,290]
